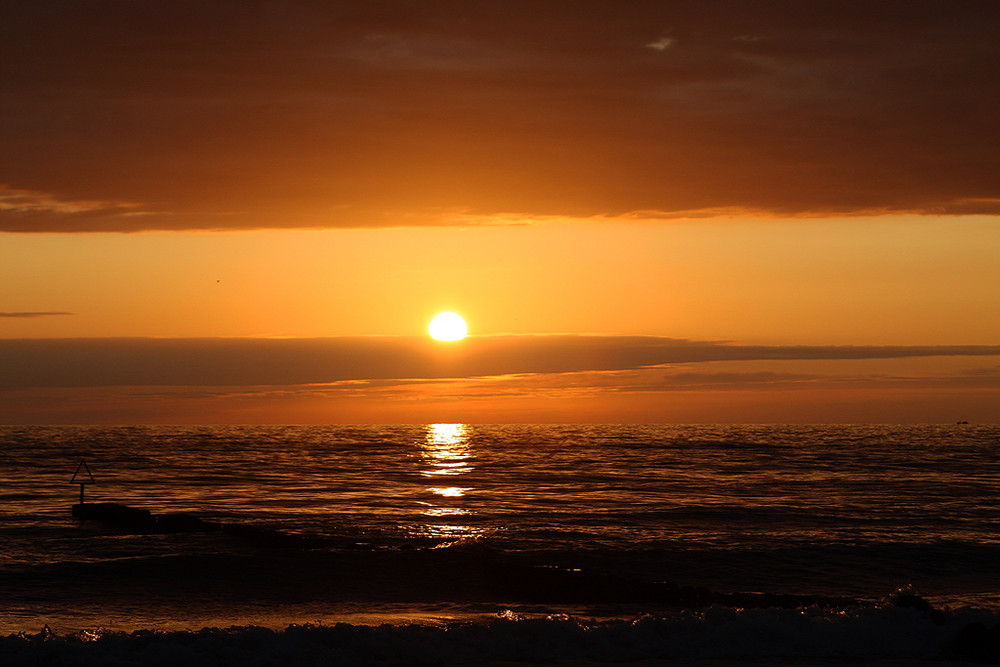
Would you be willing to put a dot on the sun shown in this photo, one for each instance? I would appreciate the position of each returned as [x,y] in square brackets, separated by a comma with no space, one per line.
[447,326]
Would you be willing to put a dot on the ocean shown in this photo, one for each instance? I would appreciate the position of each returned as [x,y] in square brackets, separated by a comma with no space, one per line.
[503,544]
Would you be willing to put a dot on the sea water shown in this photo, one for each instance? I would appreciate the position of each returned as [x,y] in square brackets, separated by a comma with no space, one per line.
[470,543]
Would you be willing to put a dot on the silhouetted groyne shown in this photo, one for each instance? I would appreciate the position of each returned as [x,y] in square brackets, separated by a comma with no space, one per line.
[139,521]
[133,519]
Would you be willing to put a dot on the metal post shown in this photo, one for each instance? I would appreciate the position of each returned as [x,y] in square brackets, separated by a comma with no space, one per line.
[82,477]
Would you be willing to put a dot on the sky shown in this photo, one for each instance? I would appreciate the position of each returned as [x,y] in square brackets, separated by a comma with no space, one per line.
[700,211]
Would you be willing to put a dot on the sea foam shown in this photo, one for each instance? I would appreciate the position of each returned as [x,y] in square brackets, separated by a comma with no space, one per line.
[878,633]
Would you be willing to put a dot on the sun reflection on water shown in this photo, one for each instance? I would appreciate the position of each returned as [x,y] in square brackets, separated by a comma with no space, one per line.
[446,452]
[445,511]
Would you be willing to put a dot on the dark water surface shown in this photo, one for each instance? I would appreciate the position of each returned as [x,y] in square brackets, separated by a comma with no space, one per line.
[448,523]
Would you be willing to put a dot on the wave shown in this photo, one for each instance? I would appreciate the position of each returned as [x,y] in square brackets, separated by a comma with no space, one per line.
[282,567]
[903,629]
[463,572]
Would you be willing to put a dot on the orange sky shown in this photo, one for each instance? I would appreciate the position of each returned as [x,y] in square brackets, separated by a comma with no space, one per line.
[791,178]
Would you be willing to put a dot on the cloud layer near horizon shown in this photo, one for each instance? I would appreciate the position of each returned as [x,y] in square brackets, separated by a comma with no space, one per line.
[33,314]
[524,379]
[180,115]
[105,362]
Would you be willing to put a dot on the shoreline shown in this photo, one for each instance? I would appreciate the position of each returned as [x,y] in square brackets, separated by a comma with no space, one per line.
[884,635]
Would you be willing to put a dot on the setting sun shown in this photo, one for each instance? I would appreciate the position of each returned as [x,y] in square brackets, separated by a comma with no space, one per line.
[447,326]
[239,242]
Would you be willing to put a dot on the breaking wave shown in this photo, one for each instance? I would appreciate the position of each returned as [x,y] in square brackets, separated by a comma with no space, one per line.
[905,629]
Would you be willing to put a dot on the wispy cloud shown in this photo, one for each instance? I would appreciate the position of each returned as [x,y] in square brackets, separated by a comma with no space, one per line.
[30,314]
[661,44]
[24,210]
[31,201]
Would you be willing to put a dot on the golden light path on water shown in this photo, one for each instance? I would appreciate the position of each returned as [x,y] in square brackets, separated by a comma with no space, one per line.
[446,454]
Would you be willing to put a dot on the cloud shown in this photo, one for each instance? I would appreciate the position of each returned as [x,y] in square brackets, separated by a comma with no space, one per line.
[714,377]
[36,314]
[232,362]
[661,44]
[791,391]
[29,210]
[28,201]
[183,115]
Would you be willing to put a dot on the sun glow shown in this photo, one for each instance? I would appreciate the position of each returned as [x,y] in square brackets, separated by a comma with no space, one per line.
[447,326]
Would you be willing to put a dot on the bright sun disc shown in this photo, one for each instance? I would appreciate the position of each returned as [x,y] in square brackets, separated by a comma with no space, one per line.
[447,326]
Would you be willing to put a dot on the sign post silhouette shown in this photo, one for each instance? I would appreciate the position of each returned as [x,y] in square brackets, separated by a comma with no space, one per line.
[82,477]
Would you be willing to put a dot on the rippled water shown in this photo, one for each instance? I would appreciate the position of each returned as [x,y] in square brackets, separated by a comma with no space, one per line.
[831,510]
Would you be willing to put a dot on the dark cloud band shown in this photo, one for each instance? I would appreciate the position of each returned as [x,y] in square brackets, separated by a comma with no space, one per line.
[178,115]
[31,314]
[26,363]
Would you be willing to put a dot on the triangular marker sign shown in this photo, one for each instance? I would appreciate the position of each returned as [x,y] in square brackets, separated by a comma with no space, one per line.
[83,472]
